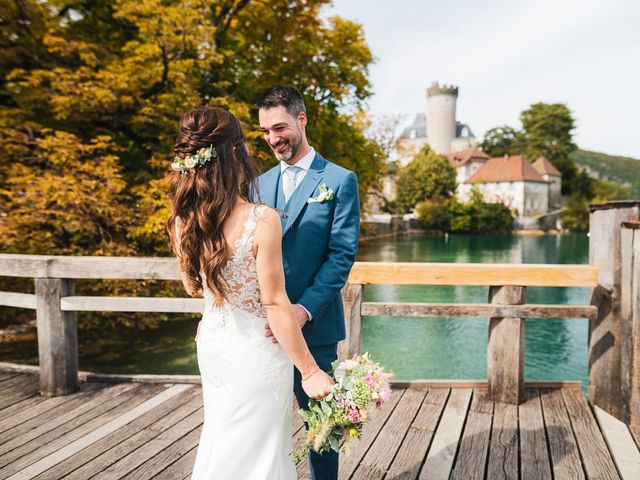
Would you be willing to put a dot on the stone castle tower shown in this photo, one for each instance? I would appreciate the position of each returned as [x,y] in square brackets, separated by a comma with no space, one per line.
[441,116]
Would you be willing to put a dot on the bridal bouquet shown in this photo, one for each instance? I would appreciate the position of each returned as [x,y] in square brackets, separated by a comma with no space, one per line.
[361,386]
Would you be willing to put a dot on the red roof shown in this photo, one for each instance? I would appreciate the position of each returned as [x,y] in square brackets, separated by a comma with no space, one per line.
[545,167]
[458,159]
[506,169]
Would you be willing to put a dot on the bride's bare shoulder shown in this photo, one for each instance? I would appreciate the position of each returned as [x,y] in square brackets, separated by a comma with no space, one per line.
[268,218]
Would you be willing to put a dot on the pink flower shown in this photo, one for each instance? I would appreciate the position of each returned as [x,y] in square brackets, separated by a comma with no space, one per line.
[354,415]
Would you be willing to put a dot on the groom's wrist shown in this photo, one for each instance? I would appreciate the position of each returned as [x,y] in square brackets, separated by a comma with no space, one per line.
[309,316]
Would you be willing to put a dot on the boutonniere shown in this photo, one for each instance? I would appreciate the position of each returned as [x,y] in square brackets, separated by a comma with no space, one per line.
[325,194]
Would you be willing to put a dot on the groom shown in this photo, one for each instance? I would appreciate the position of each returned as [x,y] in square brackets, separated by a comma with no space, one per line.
[320,223]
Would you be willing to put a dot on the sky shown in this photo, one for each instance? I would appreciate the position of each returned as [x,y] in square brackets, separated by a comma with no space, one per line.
[506,55]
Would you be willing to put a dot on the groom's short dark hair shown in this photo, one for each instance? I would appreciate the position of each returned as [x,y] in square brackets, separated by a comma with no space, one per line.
[282,96]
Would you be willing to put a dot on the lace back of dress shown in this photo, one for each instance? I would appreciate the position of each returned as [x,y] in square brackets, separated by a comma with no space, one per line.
[240,270]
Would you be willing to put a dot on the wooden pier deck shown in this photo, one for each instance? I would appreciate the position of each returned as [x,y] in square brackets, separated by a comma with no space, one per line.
[151,430]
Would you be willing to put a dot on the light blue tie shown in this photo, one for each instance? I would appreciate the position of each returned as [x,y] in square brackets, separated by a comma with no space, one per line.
[289,184]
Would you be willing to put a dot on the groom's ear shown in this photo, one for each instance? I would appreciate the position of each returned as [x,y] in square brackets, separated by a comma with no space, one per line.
[302,119]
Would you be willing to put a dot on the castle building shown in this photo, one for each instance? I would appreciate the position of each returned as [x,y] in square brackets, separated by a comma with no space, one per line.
[438,127]
[552,175]
[511,180]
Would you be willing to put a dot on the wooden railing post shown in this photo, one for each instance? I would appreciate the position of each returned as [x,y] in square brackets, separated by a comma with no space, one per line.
[607,331]
[505,352]
[352,300]
[57,338]
[630,311]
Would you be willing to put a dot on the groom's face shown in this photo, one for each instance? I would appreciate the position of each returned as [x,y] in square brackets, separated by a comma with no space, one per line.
[283,132]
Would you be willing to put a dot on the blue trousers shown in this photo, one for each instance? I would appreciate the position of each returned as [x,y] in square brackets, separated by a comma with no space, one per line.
[325,466]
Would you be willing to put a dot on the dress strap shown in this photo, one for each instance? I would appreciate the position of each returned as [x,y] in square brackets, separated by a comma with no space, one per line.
[250,225]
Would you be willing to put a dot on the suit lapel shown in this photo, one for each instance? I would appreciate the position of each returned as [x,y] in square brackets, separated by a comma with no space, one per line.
[299,198]
[269,186]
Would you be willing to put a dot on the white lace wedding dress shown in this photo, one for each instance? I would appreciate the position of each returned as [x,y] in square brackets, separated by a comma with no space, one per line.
[247,381]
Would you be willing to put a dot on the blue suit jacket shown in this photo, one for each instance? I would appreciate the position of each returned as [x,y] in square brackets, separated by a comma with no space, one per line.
[319,243]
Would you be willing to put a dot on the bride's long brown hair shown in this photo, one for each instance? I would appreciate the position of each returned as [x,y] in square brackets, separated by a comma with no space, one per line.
[202,200]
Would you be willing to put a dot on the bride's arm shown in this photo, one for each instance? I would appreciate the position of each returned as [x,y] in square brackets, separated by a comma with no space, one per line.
[280,314]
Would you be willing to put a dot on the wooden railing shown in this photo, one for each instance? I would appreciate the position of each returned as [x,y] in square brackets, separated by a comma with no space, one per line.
[56,304]
[614,347]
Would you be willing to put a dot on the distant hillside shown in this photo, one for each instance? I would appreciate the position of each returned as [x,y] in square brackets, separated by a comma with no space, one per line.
[624,170]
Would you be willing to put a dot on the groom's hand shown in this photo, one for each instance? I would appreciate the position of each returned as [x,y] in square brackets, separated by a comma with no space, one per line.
[301,316]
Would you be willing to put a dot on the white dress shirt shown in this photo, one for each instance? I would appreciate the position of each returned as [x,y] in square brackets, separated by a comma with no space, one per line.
[304,163]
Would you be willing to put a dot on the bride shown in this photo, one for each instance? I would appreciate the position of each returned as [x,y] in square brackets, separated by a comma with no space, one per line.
[229,250]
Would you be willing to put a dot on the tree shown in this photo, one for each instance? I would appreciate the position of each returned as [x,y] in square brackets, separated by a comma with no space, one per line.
[427,176]
[547,131]
[473,216]
[91,92]
[501,141]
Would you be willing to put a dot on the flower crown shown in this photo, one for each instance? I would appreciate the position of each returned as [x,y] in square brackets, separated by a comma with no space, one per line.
[189,163]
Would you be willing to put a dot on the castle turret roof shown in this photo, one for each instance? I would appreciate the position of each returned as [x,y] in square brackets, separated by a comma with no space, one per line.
[545,167]
[506,169]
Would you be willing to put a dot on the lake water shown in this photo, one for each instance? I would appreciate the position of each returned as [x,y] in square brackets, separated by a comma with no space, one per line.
[447,348]
[451,348]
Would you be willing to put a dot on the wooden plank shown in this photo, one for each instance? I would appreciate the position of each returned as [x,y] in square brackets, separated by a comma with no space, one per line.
[503,451]
[439,462]
[621,445]
[57,338]
[627,281]
[120,444]
[52,266]
[375,463]
[22,389]
[505,350]
[166,457]
[565,459]
[43,407]
[481,384]
[49,266]
[352,300]
[39,425]
[132,304]
[419,273]
[349,463]
[634,295]
[606,331]
[471,462]
[4,376]
[476,310]
[534,455]
[11,384]
[26,437]
[104,429]
[181,468]
[10,411]
[415,445]
[18,300]
[134,459]
[30,453]
[596,459]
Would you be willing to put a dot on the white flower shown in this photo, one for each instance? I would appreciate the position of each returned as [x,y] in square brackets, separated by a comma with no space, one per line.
[190,162]
[322,197]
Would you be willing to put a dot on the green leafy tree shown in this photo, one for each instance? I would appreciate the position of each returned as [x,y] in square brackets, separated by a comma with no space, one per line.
[501,141]
[547,131]
[472,216]
[427,176]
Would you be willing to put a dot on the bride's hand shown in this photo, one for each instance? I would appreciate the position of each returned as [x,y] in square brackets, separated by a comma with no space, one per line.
[318,385]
